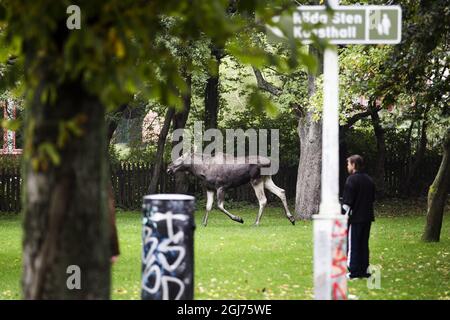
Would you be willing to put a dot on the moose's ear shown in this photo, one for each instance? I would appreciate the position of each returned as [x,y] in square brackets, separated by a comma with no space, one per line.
[186,155]
[195,149]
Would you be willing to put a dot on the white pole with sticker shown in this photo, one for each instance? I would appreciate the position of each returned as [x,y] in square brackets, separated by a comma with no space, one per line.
[330,227]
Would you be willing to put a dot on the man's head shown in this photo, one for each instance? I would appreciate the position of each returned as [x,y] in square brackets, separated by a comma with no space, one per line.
[355,163]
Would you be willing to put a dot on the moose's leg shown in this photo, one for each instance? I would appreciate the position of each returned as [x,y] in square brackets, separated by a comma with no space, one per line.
[209,203]
[258,186]
[280,193]
[220,202]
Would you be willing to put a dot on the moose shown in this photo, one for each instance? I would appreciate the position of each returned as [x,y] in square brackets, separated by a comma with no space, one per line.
[221,172]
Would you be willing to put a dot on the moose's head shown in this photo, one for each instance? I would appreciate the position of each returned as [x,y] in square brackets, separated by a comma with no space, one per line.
[179,164]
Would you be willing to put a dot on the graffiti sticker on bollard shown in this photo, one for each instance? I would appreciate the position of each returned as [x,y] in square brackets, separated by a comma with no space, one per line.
[168,247]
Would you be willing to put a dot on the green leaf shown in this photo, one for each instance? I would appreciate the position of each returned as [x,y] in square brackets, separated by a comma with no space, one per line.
[254,56]
[309,61]
[49,149]
[260,103]
[12,125]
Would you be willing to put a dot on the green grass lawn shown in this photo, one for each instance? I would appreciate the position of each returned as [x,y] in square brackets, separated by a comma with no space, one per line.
[272,261]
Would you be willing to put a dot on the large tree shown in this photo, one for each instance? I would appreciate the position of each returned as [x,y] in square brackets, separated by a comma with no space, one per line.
[212,89]
[307,196]
[159,157]
[179,122]
[420,65]
[437,195]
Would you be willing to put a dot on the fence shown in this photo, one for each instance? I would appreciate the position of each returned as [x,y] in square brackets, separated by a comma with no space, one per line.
[396,174]
[10,183]
[130,182]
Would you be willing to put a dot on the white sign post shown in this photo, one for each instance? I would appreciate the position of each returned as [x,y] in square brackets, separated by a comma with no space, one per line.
[345,25]
[329,256]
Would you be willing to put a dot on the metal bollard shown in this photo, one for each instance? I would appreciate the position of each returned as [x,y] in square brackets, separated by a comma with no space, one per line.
[168,247]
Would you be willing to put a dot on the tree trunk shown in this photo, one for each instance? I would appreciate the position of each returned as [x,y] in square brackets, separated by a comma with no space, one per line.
[179,122]
[307,199]
[111,128]
[408,152]
[343,150]
[437,196]
[212,93]
[65,206]
[379,171]
[343,154]
[159,158]
[114,121]
[418,159]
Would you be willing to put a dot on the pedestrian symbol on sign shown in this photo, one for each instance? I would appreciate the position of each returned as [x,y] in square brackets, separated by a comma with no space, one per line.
[384,26]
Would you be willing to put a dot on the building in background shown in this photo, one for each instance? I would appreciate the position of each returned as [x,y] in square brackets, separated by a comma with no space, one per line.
[11,142]
[138,127]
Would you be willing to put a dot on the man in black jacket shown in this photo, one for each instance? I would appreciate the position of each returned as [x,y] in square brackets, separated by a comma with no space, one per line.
[358,198]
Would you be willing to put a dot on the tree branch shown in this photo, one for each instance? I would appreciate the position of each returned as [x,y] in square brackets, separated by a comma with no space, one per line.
[281,74]
[11,60]
[265,85]
[355,118]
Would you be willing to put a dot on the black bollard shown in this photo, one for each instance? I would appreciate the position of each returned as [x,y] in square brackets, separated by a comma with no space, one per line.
[168,247]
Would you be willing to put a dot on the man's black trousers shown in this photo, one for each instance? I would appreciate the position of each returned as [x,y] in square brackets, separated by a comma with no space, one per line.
[358,248]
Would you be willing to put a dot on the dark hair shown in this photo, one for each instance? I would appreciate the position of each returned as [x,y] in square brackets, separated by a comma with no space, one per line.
[356,160]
